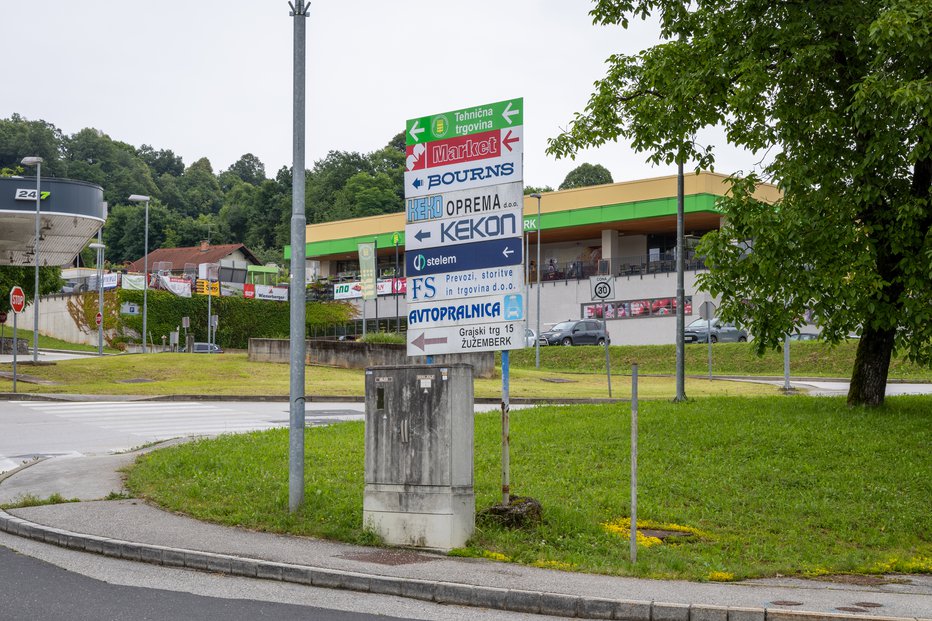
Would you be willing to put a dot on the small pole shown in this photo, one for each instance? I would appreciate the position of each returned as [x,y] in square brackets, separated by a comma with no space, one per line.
[608,366]
[395,288]
[709,340]
[15,345]
[786,363]
[506,464]
[634,464]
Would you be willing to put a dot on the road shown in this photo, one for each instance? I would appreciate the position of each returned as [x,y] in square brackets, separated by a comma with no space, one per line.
[32,429]
[41,581]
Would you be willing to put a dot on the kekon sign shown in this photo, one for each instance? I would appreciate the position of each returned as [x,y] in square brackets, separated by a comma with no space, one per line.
[479,227]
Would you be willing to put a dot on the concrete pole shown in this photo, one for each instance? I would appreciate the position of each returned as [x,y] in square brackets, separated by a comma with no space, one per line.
[298,252]
[145,285]
[680,287]
[35,307]
[537,343]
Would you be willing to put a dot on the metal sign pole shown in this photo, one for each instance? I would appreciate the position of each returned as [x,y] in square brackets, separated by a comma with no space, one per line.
[506,461]
[634,464]
[786,364]
[709,339]
[608,367]
[15,345]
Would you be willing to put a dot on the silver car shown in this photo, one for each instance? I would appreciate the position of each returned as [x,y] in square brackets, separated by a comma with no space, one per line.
[698,332]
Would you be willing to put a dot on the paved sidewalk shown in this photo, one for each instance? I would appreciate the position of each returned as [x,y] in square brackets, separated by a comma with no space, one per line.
[133,530]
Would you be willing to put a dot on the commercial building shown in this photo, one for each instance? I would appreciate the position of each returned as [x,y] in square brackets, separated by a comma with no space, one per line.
[626,231]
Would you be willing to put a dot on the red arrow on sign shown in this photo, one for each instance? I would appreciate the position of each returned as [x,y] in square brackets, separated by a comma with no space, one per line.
[508,140]
[420,341]
[17,299]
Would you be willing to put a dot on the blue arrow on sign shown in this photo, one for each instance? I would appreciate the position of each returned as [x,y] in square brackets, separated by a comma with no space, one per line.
[460,257]
[422,235]
[417,183]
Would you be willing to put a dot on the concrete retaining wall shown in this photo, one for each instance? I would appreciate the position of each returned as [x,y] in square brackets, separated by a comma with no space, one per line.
[355,355]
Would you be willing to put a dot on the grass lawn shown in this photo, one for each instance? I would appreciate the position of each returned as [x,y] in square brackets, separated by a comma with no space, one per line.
[807,359]
[778,485]
[233,374]
[47,342]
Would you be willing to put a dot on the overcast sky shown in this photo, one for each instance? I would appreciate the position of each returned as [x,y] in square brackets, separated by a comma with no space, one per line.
[214,78]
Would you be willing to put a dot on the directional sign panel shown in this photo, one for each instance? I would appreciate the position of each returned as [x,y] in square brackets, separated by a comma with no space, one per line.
[462,149]
[459,312]
[463,203]
[503,169]
[464,229]
[474,120]
[466,339]
[466,284]
[464,232]
[494,253]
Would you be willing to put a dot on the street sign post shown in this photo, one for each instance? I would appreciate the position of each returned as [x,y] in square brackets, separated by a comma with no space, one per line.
[464,248]
[17,304]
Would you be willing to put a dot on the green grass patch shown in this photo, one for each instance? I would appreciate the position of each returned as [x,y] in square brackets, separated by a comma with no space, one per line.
[30,500]
[779,485]
[233,374]
[807,359]
[47,342]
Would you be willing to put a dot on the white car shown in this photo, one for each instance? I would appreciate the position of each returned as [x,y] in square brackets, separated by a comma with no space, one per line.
[530,337]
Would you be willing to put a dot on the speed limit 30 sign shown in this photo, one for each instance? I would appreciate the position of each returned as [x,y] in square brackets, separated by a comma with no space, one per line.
[602,288]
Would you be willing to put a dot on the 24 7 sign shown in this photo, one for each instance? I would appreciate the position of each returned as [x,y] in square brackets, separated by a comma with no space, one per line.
[23,194]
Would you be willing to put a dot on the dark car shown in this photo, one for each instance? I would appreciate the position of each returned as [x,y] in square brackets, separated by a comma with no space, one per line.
[207,348]
[698,332]
[579,332]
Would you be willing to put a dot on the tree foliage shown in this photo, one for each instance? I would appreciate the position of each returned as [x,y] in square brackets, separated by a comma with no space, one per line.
[837,96]
[12,275]
[586,175]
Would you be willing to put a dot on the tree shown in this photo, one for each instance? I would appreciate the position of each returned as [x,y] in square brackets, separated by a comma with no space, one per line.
[533,189]
[161,162]
[20,138]
[585,175]
[838,95]
[25,276]
[249,168]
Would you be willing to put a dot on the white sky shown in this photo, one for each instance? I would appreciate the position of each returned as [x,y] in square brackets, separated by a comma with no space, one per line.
[214,78]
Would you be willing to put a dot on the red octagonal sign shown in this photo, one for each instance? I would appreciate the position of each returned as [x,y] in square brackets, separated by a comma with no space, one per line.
[17,299]
[99,318]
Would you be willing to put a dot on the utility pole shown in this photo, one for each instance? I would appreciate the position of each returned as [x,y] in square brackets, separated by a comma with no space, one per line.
[298,251]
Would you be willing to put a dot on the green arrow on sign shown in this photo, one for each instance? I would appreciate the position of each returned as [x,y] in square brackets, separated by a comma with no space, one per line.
[499,115]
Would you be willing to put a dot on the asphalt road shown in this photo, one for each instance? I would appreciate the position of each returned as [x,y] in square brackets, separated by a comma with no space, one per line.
[41,581]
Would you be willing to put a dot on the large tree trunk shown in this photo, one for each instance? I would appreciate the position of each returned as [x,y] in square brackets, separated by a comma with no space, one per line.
[871,366]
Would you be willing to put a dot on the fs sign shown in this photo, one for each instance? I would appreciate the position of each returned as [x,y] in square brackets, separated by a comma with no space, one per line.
[464,250]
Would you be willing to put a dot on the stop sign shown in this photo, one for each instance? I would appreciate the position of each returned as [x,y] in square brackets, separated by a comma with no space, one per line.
[17,299]
[99,318]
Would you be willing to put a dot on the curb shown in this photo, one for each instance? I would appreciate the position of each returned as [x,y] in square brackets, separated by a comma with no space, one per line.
[511,600]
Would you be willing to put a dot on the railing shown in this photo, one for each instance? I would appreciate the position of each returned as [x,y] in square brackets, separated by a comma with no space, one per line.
[638,265]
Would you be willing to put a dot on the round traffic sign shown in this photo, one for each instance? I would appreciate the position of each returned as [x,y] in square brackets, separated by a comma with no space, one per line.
[17,299]
[603,290]
[99,318]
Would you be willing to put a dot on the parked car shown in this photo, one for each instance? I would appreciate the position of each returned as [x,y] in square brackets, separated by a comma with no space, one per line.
[207,348]
[804,336]
[698,332]
[579,332]
[530,337]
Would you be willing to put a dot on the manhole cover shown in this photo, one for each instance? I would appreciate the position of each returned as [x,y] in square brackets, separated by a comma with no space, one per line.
[557,380]
[389,557]
[786,602]
[868,604]
[135,380]
[851,609]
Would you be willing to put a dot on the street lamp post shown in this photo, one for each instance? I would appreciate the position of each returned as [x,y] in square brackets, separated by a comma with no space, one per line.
[140,198]
[37,162]
[537,342]
[99,247]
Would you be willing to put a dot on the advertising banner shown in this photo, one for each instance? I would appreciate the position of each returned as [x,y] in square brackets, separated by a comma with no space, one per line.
[179,286]
[353,290]
[136,282]
[367,270]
